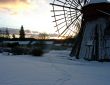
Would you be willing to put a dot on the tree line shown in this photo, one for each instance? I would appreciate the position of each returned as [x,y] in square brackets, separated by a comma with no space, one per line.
[6,35]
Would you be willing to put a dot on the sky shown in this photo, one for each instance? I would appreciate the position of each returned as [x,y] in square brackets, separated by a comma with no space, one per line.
[32,14]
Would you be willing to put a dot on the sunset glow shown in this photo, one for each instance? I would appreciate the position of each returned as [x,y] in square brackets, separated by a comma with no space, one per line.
[32,14]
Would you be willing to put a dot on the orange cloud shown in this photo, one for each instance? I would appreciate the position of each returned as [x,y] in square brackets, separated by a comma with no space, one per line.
[14,6]
[12,1]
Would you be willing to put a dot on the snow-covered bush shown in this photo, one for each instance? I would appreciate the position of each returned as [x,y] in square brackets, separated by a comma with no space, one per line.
[17,51]
[21,50]
[37,52]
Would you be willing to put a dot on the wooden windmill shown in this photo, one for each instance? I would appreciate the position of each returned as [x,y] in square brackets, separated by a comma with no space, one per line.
[90,21]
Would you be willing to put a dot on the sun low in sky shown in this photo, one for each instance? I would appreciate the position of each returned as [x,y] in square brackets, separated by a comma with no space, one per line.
[32,14]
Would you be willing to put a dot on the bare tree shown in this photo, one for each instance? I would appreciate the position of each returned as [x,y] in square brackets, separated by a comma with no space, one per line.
[43,36]
[7,33]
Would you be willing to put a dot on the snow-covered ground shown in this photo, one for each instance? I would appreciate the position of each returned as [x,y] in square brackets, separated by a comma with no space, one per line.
[53,68]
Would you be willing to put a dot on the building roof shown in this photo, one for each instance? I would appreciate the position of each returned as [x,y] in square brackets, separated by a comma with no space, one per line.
[96,10]
[98,1]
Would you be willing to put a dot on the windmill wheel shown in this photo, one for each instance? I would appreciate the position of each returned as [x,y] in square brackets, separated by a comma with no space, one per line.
[67,16]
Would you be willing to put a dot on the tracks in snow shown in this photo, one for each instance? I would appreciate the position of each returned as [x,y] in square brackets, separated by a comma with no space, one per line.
[65,76]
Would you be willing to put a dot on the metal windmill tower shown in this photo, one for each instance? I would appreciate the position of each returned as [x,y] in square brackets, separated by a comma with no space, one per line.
[90,21]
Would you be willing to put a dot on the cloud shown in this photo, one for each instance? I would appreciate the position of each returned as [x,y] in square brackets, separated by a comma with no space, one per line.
[31,13]
[14,6]
[7,1]
[17,4]
[12,1]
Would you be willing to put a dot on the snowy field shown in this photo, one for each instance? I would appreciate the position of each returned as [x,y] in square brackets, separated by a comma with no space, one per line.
[53,68]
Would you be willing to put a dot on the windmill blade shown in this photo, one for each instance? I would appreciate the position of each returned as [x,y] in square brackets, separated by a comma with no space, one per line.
[79,2]
[86,2]
[60,1]
[103,12]
[54,16]
[57,15]
[75,1]
[59,19]
[60,28]
[65,6]
[60,24]
[57,10]
[70,25]
[70,31]
[71,3]
[67,13]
